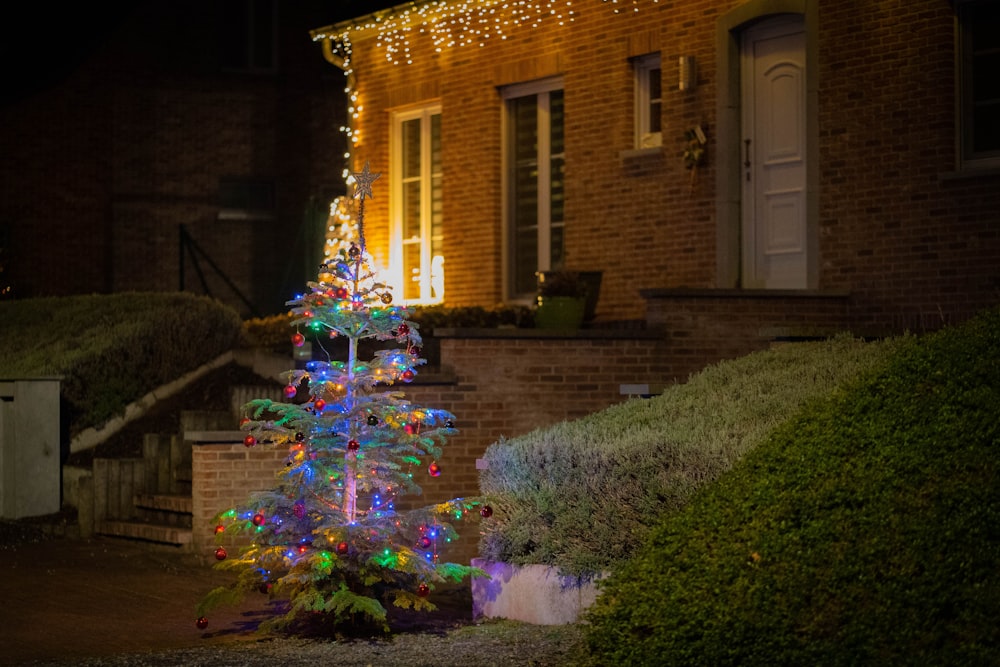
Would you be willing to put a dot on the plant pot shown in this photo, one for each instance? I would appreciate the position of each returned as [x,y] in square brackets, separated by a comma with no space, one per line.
[560,312]
[589,285]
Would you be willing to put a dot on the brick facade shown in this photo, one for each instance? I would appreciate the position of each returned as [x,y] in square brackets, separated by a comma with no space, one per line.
[102,167]
[910,240]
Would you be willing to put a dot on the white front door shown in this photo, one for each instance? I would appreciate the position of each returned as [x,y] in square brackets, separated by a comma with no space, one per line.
[774,236]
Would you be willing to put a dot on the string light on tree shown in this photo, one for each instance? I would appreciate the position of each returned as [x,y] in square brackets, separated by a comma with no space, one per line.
[329,536]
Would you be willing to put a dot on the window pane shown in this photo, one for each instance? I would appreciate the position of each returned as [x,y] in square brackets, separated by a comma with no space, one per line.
[411,148]
[263,34]
[524,115]
[411,270]
[981,97]
[411,210]
[654,83]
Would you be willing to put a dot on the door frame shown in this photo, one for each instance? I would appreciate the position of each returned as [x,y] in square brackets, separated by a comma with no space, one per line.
[729,169]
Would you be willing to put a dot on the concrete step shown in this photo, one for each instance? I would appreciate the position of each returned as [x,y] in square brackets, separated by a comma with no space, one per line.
[165,502]
[137,530]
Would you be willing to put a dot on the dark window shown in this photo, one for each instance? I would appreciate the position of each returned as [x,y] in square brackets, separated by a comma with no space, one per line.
[248,38]
[245,199]
[979,63]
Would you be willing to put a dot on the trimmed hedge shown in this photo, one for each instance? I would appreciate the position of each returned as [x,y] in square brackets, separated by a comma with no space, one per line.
[112,349]
[866,531]
[583,495]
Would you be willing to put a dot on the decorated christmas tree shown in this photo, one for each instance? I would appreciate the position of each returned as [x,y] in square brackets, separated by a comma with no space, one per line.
[329,538]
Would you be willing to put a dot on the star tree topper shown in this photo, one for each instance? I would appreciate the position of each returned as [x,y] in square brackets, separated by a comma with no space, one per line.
[363,183]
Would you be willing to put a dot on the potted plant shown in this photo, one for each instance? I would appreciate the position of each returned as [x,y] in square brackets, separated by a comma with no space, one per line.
[562,299]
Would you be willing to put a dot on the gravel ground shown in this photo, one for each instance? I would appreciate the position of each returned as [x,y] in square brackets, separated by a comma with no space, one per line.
[116,602]
[492,644]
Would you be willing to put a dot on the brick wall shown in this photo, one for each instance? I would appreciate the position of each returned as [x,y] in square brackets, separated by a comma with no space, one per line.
[495,385]
[224,475]
[913,246]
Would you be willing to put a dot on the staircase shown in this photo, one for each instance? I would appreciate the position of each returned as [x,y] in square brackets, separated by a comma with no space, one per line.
[149,499]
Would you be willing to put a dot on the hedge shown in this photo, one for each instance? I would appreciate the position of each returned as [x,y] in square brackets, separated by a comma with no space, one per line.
[865,531]
[112,349]
[583,495]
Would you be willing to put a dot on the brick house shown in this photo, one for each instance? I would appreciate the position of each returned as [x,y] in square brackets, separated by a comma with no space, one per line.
[849,175]
[175,145]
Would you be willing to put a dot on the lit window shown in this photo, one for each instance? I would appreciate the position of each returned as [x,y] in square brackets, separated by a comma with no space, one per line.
[417,205]
[648,101]
[533,183]
[979,61]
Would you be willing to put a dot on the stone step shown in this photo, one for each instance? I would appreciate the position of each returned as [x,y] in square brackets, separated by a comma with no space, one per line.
[165,502]
[137,530]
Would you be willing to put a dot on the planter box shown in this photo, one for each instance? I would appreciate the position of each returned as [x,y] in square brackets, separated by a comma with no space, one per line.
[530,593]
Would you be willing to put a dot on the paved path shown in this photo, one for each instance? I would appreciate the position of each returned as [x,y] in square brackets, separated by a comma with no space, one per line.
[66,599]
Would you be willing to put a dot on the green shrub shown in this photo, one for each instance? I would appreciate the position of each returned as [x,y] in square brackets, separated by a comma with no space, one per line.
[866,531]
[274,332]
[112,349]
[582,495]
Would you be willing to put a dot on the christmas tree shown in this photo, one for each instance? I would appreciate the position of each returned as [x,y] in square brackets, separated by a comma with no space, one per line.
[329,537]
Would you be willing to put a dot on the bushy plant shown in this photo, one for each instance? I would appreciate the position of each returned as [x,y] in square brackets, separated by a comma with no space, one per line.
[272,332]
[112,349]
[582,495]
[865,531]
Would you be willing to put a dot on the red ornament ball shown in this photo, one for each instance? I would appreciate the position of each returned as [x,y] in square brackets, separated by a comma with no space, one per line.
[342,548]
[249,441]
[290,391]
[245,420]
[202,623]
[353,445]
[220,554]
[341,292]
[403,329]
[259,519]
[408,375]
[425,542]
[319,405]
[486,512]
[423,590]
[299,510]
[298,340]
[220,529]
[434,469]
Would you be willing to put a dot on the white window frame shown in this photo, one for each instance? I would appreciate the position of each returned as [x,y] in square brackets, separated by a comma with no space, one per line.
[542,88]
[969,158]
[430,281]
[644,69]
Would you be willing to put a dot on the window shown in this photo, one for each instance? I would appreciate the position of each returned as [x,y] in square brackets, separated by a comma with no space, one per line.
[417,217]
[979,61]
[648,101]
[248,35]
[242,199]
[533,183]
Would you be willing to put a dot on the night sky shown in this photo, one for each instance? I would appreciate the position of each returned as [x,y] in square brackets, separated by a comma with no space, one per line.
[40,44]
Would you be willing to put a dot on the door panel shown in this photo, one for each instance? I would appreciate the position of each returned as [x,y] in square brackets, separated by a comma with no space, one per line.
[774,129]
